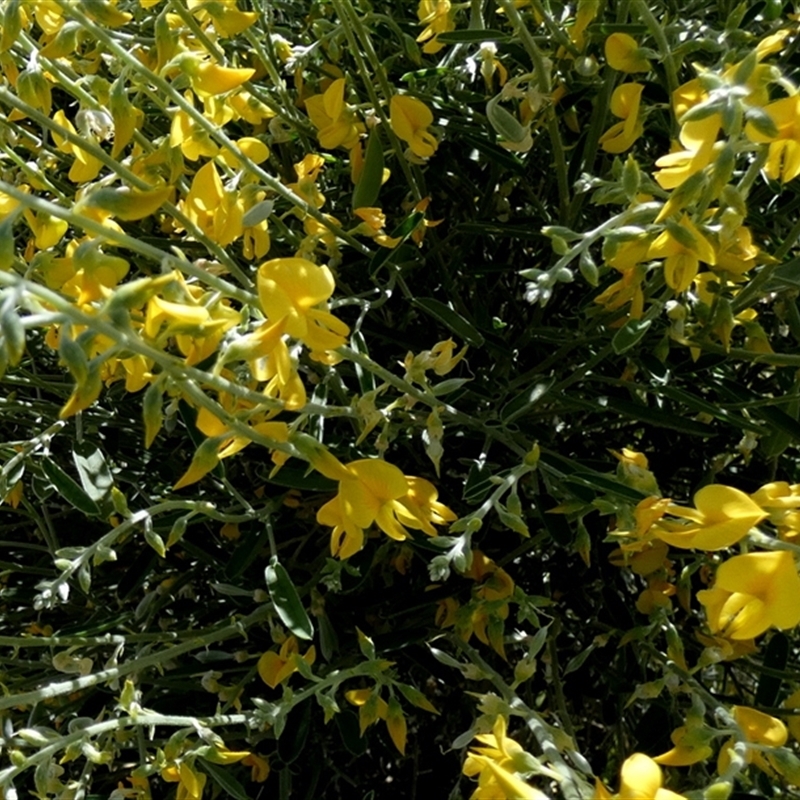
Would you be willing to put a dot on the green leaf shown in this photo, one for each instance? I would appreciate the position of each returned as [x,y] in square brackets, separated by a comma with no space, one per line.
[69,489]
[450,319]
[471,36]
[630,334]
[287,601]
[776,656]
[662,418]
[525,401]
[369,183]
[223,778]
[93,470]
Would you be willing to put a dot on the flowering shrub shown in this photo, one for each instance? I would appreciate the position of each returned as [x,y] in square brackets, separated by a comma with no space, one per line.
[428,366]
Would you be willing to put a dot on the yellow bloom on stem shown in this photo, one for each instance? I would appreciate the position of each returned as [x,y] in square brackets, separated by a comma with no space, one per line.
[682,247]
[190,782]
[294,290]
[374,491]
[437,16]
[373,224]
[722,516]
[211,79]
[752,593]
[698,137]
[640,779]
[623,54]
[333,118]
[274,667]
[758,728]
[372,707]
[85,167]
[307,172]
[410,119]
[226,17]
[783,160]
[691,747]
[193,140]
[496,763]
[625,102]
[217,212]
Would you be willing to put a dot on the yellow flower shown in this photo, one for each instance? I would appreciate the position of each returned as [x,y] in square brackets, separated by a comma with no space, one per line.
[691,747]
[410,119]
[276,667]
[372,707]
[259,767]
[227,19]
[374,491]
[217,212]
[783,160]
[295,290]
[85,167]
[721,517]
[333,118]
[625,103]
[640,779]
[193,140]
[698,138]
[437,16]
[683,247]
[190,782]
[307,172]
[496,763]
[622,53]
[760,729]
[752,593]
[373,223]
[212,79]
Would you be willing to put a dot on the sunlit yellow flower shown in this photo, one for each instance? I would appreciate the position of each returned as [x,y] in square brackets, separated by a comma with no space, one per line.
[307,172]
[373,223]
[208,78]
[437,15]
[274,667]
[85,167]
[783,160]
[295,290]
[625,103]
[752,593]
[410,119]
[640,779]
[682,247]
[496,764]
[760,729]
[722,516]
[190,782]
[193,140]
[374,491]
[216,211]
[228,20]
[623,54]
[333,118]
[691,747]
[698,138]
[585,12]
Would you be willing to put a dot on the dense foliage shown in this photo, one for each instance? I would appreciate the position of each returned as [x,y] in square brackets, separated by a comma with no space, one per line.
[399,399]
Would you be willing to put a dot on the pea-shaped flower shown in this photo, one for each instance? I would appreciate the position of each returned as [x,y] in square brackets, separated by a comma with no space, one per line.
[294,290]
[721,517]
[752,593]
[410,119]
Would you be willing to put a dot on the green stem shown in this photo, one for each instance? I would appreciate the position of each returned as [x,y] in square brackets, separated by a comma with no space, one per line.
[350,18]
[545,87]
[59,688]
[93,149]
[657,32]
[167,91]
